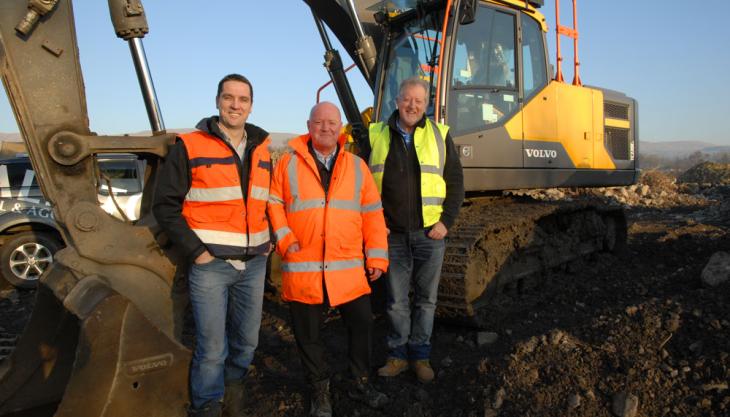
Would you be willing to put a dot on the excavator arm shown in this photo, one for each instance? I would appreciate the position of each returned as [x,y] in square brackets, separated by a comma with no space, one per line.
[102,337]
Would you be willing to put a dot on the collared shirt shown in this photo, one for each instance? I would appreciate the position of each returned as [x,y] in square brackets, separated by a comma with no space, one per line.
[326,160]
[407,137]
[241,148]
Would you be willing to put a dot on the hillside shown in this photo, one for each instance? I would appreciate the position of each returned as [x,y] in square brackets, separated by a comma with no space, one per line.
[680,149]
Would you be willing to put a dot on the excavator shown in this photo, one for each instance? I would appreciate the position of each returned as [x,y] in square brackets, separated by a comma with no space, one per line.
[104,338]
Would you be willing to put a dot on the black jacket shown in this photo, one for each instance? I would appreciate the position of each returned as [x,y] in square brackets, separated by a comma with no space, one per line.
[401,192]
[174,181]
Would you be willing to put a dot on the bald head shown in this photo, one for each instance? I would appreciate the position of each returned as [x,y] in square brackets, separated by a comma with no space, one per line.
[324,126]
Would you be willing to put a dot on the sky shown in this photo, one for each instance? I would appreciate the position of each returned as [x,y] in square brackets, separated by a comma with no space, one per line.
[672,56]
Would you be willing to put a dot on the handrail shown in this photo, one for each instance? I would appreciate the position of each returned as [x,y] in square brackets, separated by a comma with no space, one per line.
[325,85]
[571,33]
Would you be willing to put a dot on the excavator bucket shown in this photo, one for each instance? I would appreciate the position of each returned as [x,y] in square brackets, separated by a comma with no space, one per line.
[103,339]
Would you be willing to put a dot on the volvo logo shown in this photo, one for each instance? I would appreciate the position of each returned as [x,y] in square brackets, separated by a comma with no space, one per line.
[541,153]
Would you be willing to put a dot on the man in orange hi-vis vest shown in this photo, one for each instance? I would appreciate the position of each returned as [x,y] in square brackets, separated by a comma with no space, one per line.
[325,210]
[211,201]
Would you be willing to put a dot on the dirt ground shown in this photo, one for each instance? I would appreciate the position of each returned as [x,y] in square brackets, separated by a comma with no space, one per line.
[632,333]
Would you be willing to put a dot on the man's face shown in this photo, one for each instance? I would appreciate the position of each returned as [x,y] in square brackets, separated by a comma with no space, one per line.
[411,105]
[234,104]
[324,126]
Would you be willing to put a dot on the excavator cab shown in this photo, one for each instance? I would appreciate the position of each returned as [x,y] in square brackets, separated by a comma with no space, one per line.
[514,125]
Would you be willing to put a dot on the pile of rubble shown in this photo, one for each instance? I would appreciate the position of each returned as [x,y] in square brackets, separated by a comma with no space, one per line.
[703,185]
[707,174]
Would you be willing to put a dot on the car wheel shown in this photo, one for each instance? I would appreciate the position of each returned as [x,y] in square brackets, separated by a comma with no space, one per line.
[25,256]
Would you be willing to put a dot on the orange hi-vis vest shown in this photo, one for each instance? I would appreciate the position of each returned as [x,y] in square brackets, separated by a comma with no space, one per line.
[230,226]
[339,233]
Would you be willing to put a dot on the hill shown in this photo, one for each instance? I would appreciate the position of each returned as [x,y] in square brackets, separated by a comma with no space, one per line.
[680,149]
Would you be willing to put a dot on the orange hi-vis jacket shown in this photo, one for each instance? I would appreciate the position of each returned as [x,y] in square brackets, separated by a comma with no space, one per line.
[230,226]
[334,229]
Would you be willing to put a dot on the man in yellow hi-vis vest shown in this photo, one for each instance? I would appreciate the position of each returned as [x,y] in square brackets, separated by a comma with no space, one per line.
[417,171]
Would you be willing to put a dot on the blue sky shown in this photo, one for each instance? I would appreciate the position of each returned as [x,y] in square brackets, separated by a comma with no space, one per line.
[672,56]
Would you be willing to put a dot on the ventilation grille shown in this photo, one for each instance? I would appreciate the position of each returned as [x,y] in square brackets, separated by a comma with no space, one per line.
[616,111]
[617,142]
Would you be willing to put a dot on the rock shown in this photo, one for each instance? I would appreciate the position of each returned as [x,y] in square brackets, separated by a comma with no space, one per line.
[422,395]
[625,405]
[673,323]
[717,269]
[489,412]
[556,336]
[574,401]
[696,347]
[446,362]
[486,338]
[483,366]
[11,295]
[498,399]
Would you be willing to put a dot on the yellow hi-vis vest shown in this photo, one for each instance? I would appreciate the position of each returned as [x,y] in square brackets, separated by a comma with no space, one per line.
[430,143]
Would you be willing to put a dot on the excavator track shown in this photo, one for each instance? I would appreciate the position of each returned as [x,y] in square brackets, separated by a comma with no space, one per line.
[503,242]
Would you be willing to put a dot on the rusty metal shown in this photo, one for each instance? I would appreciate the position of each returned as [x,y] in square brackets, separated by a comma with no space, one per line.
[103,338]
[36,10]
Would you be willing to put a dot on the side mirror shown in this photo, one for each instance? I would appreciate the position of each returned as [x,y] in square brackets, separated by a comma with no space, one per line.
[468,12]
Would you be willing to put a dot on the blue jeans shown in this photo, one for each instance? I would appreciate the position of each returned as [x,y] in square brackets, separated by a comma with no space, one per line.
[415,263]
[226,305]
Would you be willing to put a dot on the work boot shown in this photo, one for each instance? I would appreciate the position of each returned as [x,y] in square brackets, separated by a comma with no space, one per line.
[233,399]
[363,391]
[320,404]
[423,370]
[393,367]
[210,409]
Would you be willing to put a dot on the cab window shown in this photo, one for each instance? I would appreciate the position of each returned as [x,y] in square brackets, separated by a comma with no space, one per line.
[483,87]
[535,75]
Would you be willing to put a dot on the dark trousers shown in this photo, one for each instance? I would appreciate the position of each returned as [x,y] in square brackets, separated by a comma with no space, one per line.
[307,321]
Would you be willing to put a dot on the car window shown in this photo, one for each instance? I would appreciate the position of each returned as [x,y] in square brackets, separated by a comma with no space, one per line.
[122,175]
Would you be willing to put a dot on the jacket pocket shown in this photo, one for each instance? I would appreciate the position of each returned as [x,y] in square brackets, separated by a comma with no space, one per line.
[212,213]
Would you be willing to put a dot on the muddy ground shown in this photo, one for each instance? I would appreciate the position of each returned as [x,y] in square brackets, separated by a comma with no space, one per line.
[632,333]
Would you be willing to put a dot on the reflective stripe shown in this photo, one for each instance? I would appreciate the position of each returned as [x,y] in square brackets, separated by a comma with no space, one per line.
[377,253]
[214,194]
[432,201]
[372,207]
[377,168]
[313,203]
[430,169]
[259,193]
[293,180]
[256,239]
[301,266]
[282,232]
[353,204]
[275,199]
[305,205]
[319,266]
[344,205]
[218,237]
[440,145]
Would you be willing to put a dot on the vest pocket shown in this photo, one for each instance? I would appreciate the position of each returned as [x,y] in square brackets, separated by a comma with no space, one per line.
[212,213]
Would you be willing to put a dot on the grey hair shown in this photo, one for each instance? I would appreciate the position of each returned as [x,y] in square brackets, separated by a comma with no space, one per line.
[413,81]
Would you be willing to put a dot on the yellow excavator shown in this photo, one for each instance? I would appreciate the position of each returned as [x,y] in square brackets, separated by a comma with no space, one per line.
[104,338]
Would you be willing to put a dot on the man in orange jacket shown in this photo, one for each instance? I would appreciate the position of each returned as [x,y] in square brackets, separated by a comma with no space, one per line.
[326,213]
[211,202]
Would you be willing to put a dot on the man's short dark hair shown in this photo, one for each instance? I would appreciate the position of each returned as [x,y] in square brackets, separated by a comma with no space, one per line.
[234,77]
